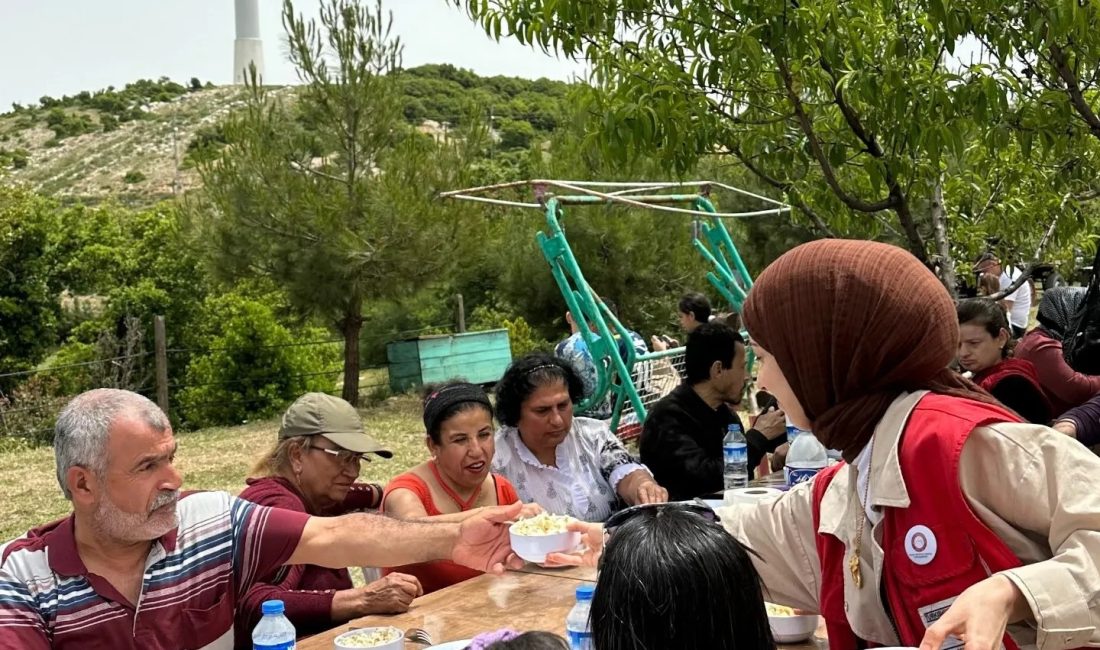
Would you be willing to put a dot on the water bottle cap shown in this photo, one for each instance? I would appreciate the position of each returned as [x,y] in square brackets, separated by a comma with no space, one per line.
[585,592]
[272,607]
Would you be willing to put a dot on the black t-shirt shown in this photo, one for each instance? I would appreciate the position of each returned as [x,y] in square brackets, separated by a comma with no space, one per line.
[681,444]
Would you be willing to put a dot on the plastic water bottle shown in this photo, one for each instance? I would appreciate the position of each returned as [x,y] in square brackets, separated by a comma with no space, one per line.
[735,455]
[274,631]
[806,458]
[576,623]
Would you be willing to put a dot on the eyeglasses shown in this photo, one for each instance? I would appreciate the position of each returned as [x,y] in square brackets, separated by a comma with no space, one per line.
[349,458]
[697,507]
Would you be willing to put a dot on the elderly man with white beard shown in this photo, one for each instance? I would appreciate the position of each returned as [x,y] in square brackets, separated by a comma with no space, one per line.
[139,564]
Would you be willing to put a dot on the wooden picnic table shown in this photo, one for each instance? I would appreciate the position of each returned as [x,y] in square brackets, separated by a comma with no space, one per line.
[532,598]
[519,599]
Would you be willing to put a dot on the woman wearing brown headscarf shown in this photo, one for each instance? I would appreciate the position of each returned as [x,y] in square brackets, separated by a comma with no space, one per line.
[950,516]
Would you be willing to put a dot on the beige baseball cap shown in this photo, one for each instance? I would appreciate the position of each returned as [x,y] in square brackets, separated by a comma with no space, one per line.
[315,414]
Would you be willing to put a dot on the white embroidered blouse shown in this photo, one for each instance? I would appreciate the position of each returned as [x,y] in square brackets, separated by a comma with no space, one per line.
[590,463]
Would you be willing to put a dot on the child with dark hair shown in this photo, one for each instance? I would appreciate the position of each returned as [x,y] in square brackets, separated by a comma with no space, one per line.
[672,577]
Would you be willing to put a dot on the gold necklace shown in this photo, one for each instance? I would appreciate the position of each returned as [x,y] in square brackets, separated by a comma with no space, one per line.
[853,562]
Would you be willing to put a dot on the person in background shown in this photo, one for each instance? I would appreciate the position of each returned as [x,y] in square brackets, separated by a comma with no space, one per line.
[694,310]
[138,564]
[988,284]
[568,465]
[671,577]
[1017,303]
[1082,422]
[1042,346]
[574,350]
[313,469]
[682,436]
[456,482]
[983,351]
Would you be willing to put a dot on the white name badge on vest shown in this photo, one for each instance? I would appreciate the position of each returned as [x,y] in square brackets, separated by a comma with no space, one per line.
[920,545]
[929,614]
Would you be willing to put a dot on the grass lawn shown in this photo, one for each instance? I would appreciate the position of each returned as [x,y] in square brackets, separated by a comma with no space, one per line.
[211,459]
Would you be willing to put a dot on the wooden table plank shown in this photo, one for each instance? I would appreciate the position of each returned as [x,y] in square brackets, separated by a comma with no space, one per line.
[530,599]
[523,601]
[588,574]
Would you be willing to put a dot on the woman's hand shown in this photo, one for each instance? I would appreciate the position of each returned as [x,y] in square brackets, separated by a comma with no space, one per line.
[650,492]
[587,554]
[639,487]
[393,594]
[979,615]
[530,510]
[1068,427]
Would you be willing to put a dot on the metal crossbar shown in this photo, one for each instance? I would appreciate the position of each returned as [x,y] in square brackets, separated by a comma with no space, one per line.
[634,380]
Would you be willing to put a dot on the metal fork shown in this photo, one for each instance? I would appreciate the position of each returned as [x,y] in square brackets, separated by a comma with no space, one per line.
[417,635]
[414,634]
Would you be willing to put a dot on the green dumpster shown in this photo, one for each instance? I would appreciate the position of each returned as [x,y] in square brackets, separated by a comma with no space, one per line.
[477,357]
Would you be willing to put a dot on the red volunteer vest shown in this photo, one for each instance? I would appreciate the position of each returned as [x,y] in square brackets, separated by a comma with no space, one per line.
[1012,367]
[934,549]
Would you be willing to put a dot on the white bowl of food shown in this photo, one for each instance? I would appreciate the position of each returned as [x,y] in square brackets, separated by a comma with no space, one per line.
[378,638]
[536,537]
[789,627]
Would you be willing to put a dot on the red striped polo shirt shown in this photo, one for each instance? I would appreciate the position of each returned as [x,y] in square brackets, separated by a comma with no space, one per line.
[194,577]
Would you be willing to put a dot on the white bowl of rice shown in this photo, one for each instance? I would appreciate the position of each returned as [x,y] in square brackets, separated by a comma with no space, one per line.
[536,537]
[789,626]
[378,638]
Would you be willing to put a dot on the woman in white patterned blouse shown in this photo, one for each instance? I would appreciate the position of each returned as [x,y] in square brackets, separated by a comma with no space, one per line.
[568,465]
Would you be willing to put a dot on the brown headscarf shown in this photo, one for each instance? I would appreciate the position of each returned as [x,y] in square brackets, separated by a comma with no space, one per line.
[852,324]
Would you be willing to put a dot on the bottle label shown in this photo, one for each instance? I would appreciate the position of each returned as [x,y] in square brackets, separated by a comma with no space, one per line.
[289,645]
[736,453]
[796,475]
[580,640]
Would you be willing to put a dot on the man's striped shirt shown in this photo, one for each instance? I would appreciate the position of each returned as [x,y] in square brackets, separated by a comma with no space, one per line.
[194,577]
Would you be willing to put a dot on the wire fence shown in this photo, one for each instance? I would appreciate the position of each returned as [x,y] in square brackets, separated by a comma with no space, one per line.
[31,399]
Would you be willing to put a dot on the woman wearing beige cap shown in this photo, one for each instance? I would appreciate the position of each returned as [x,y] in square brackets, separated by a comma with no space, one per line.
[313,468]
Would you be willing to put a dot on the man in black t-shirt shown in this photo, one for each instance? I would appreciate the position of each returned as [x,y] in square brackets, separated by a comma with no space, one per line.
[681,441]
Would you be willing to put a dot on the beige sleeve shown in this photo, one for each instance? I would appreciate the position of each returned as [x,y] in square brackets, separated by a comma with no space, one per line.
[781,535]
[1039,490]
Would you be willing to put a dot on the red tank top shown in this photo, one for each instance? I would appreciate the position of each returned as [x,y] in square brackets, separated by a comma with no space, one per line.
[434,576]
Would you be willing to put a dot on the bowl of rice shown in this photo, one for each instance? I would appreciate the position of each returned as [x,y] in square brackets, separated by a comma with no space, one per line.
[378,638]
[788,626]
[535,537]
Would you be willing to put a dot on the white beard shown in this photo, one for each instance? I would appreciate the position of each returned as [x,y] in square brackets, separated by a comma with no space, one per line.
[136,527]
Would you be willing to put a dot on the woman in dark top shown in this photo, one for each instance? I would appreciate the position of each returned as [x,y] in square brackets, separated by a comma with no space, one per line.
[314,468]
[983,351]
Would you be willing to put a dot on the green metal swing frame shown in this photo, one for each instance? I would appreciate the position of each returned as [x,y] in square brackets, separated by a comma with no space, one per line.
[598,326]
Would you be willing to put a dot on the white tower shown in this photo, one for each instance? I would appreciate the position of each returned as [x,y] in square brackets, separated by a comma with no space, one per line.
[248,48]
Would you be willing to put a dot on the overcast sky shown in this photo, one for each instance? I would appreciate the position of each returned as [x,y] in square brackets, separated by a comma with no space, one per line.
[60,47]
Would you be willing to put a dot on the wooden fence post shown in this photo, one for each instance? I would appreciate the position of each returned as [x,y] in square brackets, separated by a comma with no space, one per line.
[160,352]
[461,314]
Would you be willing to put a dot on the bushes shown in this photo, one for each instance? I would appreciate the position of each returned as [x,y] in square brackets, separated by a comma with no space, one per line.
[66,124]
[253,365]
[522,338]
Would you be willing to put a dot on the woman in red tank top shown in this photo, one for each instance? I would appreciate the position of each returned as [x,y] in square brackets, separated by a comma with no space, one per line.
[456,481]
